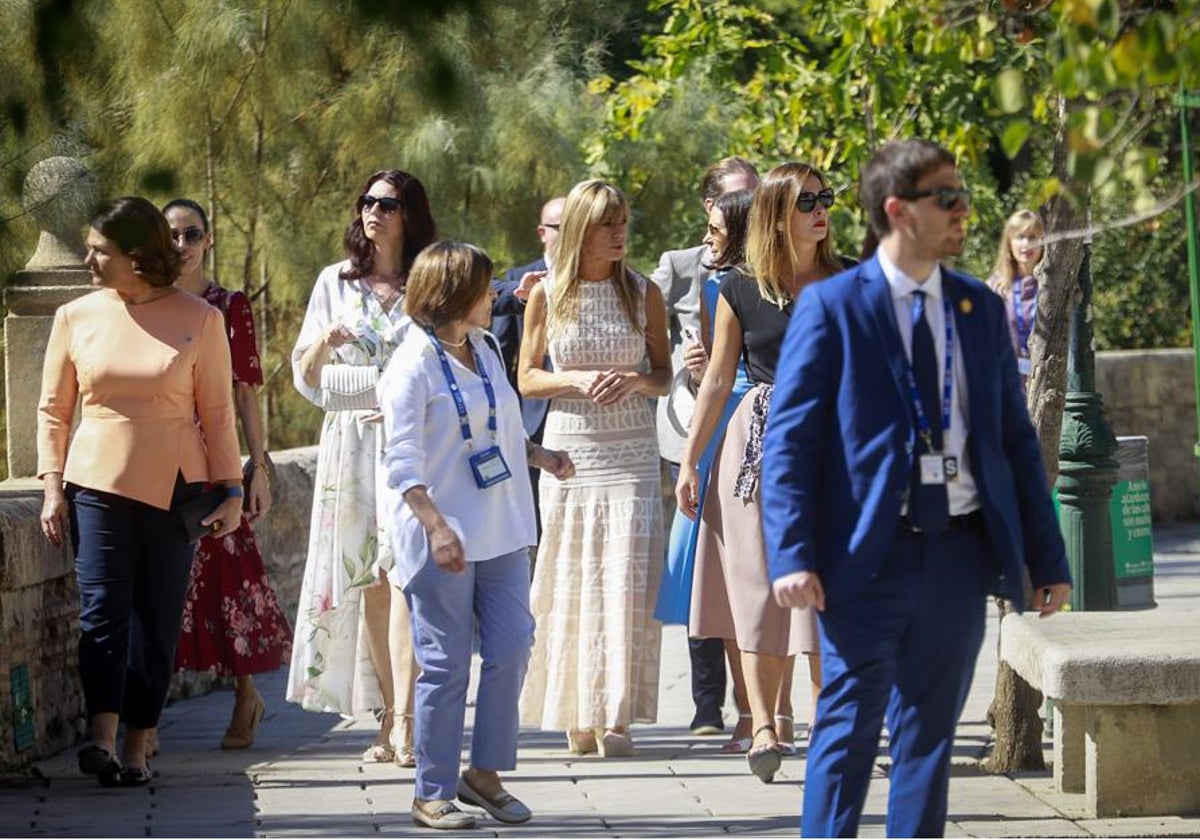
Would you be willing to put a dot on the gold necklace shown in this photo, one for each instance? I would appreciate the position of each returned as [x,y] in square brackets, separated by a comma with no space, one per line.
[457,345]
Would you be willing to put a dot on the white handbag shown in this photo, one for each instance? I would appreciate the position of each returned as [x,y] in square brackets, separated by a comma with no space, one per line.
[681,402]
[349,387]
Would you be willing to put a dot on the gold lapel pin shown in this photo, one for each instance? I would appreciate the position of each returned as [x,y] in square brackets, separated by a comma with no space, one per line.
[965,306]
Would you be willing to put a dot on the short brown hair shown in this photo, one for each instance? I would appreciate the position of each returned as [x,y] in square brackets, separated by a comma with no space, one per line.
[714,178]
[445,281]
[893,169]
[143,235]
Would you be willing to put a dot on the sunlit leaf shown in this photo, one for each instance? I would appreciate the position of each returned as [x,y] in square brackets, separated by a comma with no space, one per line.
[1010,91]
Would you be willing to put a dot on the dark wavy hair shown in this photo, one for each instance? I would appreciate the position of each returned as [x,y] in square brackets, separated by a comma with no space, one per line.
[143,235]
[419,228]
[735,209]
[188,204]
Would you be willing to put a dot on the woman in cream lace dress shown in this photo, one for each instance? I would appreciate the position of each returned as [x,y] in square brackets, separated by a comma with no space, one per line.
[594,668]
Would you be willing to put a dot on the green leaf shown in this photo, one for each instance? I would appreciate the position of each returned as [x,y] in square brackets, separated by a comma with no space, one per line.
[1014,137]
[1010,91]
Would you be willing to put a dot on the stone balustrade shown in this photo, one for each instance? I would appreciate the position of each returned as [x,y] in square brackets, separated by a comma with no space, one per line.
[39,609]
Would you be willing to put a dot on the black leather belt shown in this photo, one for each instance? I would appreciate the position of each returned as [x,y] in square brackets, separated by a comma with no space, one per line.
[957,523]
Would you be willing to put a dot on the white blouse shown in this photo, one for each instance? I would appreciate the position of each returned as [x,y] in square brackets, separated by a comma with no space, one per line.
[425,447]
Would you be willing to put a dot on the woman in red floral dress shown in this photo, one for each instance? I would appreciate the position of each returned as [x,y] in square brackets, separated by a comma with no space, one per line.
[232,623]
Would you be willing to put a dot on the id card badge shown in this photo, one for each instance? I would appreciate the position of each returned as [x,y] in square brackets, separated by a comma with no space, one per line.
[933,469]
[950,468]
[489,467]
[1024,365]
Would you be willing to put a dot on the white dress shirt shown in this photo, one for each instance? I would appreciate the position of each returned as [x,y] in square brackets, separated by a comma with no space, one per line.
[962,494]
[425,447]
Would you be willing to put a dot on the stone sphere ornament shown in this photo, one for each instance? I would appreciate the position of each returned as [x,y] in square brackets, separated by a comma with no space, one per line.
[60,194]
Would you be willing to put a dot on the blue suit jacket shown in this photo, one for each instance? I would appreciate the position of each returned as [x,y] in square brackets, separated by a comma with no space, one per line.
[840,438]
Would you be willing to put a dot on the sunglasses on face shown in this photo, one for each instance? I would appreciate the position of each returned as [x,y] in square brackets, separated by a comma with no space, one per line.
[948,198]
[189,236]
[806,202]
[387,206]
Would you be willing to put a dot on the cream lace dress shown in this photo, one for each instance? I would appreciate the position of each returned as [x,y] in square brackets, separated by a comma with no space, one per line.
[596,656]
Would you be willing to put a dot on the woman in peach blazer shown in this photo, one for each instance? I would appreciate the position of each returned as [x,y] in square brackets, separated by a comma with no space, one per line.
[150,368]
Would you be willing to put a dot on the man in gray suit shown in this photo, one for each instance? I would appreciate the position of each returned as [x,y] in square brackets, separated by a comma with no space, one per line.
[681,275]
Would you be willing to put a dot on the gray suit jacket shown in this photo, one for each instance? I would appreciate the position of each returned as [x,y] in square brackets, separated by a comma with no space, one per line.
[680,275]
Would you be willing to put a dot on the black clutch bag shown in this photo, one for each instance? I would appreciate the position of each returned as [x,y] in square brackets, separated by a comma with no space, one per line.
[190,512]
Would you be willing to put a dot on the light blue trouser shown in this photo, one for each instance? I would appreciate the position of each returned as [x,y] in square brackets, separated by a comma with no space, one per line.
[445,609]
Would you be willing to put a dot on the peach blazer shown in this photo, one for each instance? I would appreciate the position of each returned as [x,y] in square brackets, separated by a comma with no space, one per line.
[144,374]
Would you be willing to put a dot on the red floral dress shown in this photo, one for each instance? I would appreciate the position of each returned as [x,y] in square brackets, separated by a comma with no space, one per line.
[232,622]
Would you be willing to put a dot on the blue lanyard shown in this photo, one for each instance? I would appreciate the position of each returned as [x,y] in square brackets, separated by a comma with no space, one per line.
[464,422]
[924,429]
[1024,330]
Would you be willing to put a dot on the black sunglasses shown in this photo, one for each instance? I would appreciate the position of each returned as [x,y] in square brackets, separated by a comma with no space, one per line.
[948,198]
[387,205]
[806,202]
[191,235]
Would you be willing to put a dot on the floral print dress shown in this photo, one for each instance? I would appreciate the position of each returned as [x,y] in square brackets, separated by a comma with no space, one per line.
[348,549]
[232,622]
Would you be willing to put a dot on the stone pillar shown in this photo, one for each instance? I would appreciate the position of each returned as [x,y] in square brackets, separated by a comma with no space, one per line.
[60,194]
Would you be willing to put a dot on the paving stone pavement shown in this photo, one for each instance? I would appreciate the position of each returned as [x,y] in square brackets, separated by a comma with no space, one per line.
[303,777]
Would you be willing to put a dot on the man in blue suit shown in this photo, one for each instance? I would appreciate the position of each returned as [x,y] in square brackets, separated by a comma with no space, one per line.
[902,482]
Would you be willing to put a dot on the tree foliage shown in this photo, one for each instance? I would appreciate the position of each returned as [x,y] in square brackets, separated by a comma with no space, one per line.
[272,112]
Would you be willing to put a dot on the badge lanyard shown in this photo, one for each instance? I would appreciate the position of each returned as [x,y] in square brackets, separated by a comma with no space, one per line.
[464,422]
[488,465]
[1024,330]
[924,429]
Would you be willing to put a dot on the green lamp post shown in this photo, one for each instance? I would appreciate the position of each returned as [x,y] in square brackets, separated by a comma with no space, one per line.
[1087,470]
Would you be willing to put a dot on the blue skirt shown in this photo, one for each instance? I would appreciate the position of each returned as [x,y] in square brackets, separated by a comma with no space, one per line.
[674,602]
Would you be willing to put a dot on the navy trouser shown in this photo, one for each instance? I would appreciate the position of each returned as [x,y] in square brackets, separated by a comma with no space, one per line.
[132,563]
[904,650]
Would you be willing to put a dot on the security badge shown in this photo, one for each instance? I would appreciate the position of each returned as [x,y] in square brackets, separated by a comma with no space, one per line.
[489,467]
[937,468]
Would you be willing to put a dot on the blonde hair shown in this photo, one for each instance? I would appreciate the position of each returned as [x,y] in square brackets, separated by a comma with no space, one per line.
[769,247]
[590,203]
[1023,222]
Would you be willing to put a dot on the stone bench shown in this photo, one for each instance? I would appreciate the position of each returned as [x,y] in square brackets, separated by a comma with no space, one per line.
[1125,690]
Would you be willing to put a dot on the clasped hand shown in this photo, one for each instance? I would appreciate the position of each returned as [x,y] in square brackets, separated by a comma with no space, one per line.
[605,387]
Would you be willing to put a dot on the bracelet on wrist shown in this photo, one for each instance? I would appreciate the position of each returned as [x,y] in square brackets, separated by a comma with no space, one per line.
[234,492]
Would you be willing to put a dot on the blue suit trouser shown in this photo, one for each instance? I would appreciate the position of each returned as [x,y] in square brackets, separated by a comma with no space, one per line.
[446,607]
[904,650]
[132,563]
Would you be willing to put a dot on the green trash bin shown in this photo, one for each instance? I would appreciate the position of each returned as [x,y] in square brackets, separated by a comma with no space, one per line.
[1133,539]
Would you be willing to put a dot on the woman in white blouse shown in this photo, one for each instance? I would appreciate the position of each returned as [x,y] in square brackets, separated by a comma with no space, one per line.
[462,523]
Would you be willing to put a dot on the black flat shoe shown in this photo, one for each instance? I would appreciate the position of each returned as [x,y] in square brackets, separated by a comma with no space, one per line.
[110,775]
[93,759]
[135,776]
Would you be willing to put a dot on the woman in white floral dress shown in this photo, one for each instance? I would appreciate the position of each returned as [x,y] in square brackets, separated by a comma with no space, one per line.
[342,660]
[594,668]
